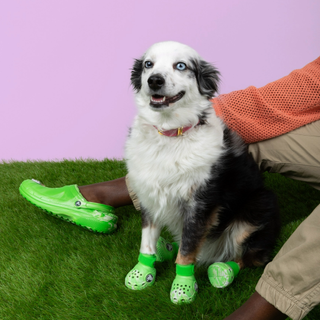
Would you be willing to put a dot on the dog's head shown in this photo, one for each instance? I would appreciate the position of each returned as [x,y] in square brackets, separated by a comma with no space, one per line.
[172,75]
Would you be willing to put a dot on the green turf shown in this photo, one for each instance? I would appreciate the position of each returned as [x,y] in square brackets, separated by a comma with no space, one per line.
[51,269]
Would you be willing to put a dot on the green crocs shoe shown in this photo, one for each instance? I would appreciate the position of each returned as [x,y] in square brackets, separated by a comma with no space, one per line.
[67,203]
[184,287]
[143,274]
[166,250]
[221,274]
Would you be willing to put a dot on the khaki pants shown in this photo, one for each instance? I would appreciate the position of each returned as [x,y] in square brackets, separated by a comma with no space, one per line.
[291,282]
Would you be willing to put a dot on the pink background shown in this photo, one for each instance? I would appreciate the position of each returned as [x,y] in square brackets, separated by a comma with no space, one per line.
[65,64]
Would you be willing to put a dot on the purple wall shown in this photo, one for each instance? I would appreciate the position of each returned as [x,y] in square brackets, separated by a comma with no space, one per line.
[65,64]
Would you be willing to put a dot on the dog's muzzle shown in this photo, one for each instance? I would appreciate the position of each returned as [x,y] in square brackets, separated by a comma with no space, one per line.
[158,101]
[156,82]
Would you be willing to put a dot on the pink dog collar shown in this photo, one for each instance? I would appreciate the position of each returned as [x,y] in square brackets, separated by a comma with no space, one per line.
[175,132]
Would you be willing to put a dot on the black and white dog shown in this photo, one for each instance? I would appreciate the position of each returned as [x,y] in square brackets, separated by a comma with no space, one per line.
[190,172]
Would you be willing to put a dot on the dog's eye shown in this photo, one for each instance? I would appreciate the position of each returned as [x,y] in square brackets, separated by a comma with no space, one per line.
[148,64]
[181,66]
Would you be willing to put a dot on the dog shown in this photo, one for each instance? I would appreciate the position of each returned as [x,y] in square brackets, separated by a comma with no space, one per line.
[190,172]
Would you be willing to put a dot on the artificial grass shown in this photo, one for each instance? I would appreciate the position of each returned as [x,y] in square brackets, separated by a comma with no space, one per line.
[51,269]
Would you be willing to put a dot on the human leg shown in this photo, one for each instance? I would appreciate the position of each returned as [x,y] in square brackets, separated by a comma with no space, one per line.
[113,193]
[295,155]
[289,284]
[291,281]
[257,308]
[116,193]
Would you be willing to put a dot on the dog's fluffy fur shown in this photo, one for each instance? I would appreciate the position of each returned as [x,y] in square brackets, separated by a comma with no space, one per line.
[203,186]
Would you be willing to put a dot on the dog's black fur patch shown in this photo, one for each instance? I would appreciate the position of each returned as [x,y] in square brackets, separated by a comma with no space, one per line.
[207,77]
[236,188]
[136,73]
[203,118]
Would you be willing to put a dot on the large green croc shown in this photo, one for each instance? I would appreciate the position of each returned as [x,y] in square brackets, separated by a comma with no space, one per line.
[68,204]
[184,288]
[222,274]
[143,274]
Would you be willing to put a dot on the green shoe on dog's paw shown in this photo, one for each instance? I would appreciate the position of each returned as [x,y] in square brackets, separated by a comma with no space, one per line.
[184,288]
[143,274]
[166,250]
[67,203]
[140,277]
[222,274]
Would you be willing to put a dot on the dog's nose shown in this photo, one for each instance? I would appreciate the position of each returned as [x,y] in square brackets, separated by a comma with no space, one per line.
[156,82]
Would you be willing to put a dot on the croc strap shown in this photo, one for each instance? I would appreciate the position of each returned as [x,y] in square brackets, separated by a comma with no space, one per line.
[234,266]
[147,259]
[186,271]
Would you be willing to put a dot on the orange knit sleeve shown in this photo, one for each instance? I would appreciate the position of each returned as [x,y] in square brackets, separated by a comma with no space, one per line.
[277,108]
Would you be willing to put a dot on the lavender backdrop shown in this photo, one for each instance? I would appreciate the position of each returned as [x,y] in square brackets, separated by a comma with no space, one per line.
[65,64]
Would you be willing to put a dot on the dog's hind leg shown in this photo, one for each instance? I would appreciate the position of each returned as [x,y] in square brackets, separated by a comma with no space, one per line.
[254,235]
[166,250]
[254,246]
[257,245]
[222,273]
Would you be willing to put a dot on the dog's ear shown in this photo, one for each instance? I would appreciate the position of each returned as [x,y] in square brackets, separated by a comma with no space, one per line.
[207,77]
[136,73]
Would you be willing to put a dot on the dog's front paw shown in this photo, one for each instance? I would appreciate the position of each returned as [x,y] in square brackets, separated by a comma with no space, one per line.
[184,288]
[143,274]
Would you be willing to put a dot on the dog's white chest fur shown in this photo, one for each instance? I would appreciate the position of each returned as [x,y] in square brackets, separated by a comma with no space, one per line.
[165,170]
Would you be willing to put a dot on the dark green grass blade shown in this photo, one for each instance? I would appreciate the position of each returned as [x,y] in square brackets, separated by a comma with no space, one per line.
[51,269]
